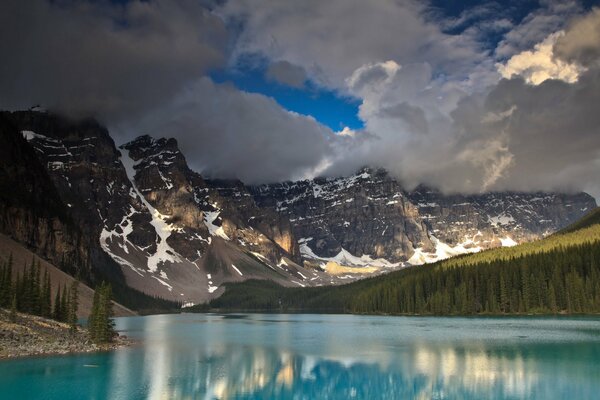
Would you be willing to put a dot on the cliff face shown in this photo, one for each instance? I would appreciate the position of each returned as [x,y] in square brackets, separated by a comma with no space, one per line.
[494,219]
[139,209]
[31,209]
[371,214]
[364,214]
[140,214]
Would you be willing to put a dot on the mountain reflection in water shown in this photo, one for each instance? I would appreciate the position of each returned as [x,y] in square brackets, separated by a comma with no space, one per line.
[335,357]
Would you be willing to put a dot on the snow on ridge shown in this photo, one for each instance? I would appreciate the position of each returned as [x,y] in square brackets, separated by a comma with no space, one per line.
[30,135]
[214,230]
[508,242]
[237,270]
[501,219]
[443,251]
[282,263]
[164,252]
[344,257]
[167,182]
[169,287]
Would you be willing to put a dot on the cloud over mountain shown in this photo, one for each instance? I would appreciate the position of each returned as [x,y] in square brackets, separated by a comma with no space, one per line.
[440,105]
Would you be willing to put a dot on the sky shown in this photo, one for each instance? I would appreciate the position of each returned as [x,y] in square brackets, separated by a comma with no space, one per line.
[466,96]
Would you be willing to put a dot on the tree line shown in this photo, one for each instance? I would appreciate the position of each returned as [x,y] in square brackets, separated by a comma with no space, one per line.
[31,293]
[565,280]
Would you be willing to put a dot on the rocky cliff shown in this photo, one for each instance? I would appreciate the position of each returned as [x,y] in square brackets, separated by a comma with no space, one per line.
[358,219]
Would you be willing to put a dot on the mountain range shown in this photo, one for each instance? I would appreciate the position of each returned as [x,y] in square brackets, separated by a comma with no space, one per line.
[138,215]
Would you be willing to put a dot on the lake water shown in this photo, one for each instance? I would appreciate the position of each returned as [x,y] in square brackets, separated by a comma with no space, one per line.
[264,356]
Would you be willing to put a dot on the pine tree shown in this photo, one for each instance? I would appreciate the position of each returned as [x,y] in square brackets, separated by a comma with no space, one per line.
[6,283]
[100,323]
[64,306]
[57,310]
[503,295]
[13,309]
[46,310]
[73,305]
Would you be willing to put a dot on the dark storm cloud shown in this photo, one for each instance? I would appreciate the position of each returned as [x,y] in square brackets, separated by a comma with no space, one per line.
[286,73]
[225,132]
[98,58]
[433,107]
[550,132]
[581,43]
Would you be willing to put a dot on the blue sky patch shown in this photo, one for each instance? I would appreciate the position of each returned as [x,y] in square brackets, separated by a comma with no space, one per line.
[327,107]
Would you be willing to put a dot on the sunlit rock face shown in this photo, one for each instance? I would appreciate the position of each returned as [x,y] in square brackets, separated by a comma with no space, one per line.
[370,213]
[365,214]
[494,219]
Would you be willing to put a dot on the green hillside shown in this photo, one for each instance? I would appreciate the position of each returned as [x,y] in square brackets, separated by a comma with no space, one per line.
[559,274]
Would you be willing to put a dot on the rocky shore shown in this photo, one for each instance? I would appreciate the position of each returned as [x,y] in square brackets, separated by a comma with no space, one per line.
[32,335]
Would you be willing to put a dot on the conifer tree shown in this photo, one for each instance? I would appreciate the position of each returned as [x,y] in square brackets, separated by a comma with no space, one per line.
[64,304]
[73,305]
[46,310]
[13,309]
[100,323]
[57,309]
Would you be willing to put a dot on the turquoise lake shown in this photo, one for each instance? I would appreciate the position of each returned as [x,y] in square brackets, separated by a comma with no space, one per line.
[268,356]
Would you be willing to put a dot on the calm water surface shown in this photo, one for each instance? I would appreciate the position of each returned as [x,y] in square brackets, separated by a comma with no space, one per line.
[258,356]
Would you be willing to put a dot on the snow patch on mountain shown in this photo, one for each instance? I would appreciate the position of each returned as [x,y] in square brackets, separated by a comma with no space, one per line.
[214,230]
[164,252]
[502,219]
[344,257]
[237,270]
[508,242]
[443,251]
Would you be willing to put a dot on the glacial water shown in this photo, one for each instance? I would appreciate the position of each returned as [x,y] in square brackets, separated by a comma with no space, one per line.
[264,356]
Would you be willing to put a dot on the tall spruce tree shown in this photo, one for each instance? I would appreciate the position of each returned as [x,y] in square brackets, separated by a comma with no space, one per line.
[73,305]
[100,323]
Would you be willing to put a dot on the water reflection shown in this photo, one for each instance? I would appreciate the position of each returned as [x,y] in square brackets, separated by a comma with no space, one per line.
[262,359]
[317,357]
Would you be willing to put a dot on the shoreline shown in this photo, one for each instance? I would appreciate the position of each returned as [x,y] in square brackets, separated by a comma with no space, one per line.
[34,336]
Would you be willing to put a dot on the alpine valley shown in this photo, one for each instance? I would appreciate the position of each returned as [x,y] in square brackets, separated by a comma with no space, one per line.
[138,216]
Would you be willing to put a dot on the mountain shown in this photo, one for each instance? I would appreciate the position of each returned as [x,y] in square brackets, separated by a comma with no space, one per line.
[557,274]
[369,214]
[137,215]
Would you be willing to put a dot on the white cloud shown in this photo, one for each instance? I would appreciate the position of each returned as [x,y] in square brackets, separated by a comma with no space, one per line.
[332,39]
[540,64]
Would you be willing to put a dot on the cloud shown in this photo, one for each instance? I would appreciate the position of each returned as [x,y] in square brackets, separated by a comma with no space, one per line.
[540,64]
[549,140]
[229,133]
[434,105]
[521,133]
[332,39]
[287,74]
[549,18]
[582,42]
[103,59]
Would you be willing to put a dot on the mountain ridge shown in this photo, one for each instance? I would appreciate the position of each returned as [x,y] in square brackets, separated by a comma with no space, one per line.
[147,219]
